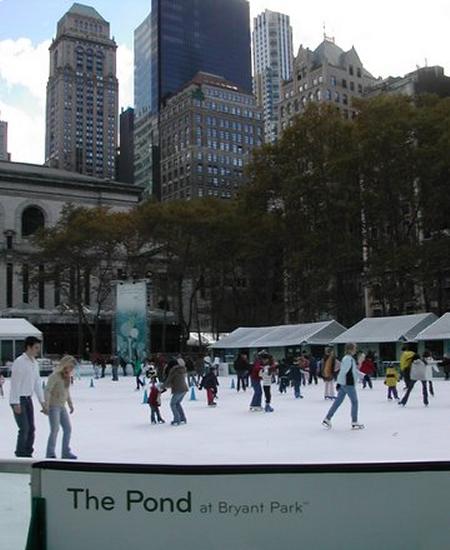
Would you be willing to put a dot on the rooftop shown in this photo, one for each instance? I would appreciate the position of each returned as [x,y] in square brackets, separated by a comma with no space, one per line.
[86,11]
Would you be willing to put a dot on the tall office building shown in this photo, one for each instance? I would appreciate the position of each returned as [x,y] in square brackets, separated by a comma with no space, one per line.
[82,95]
[177,40]
[125,157]
[4,155]
[272,63]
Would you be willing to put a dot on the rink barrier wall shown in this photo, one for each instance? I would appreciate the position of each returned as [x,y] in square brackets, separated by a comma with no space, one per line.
[170,498]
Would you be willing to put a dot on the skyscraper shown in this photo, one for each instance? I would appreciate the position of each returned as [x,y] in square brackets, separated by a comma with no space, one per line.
[272,63]
[125,158]
[177,40]
[4,155]
[82,95]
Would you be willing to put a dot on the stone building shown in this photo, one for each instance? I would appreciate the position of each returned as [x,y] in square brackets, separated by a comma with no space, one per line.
[207,134]
[272,64]
[31,197]
[4,155]
[82,95]
[327,74]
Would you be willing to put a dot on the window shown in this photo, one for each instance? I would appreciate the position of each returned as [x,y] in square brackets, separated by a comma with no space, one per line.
[25,284]
[344,83]
[32,220]
[9,284]
[358,72]
[352,86]
[350,70]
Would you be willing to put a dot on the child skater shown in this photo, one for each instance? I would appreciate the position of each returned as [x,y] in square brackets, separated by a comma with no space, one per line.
[391,380]
[210,383]
[154,401]
[267,377]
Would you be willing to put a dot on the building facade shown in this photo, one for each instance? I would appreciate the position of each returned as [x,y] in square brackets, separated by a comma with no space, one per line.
[177,40]
[125,157]
[82,95]
[327,74]
[207,134]
[272,64]
[4,155]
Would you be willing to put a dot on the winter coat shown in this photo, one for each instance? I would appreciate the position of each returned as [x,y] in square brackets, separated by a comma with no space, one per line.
[348,373]
[418,370]
[209,381]
[328,368]
[267,374]
[241,366]
[176,379]
[57,392]
[431,366]
[256,372]
[367,367]
[296,373]
[406,359]
[392,377]
[154,399]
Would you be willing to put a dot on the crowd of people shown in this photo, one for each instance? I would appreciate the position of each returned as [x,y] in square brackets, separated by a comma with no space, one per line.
[177,374]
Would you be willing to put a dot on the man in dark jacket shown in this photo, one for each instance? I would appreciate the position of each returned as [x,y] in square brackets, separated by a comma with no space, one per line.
[242,368]
[176,380]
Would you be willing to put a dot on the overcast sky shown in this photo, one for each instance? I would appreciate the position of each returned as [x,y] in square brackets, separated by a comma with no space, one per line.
[392,37]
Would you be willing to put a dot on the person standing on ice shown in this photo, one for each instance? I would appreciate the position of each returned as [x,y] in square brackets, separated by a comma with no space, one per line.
[210,383]
[431,366]
[328,369]
[267,378]
[367,369]
[406,359]
[154,401]
[391,380]
[418,373]
[176,381]
[346,385]
[296,377]
[241,366]
[255,379]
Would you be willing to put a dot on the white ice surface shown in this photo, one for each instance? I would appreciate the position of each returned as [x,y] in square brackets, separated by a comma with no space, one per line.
[110,424]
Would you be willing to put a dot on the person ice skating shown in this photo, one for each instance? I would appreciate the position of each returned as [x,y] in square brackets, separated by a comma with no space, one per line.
[176,381]
[296,377]
[242,366]
[115,364]
[418,373]
[329,367]
[346,384]
[283,375]
[210,383]
[154,401]
[313,368]
[137,370]
[391,379]
[431,366]
[445,363]
[367,369]
[255,379]
[267,379]
[57,394]
[191,372]
[406,359]
[2,382]
[26,381]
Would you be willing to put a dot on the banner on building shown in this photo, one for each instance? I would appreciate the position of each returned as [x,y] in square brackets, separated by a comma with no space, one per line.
[132,321]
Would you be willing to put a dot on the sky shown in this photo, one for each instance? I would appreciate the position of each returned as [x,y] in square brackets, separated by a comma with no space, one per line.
[391,38]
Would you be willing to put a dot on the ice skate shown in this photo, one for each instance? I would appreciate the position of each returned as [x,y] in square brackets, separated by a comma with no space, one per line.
[268,408]
[326,424]
[357,426]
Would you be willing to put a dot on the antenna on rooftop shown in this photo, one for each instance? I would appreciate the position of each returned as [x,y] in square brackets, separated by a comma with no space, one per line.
[328,38]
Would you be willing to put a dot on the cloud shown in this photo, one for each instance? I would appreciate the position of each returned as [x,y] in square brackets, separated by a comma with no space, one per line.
[125,73]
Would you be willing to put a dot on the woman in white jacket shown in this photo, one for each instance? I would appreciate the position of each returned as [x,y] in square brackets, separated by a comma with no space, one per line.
[431,366]
[418,374]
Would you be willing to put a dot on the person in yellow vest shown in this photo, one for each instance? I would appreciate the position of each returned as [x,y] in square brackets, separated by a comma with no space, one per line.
[406,360]
[391,379]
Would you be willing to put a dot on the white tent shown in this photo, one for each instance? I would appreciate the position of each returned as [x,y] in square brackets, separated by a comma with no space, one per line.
[17,329]
[439,330]
[321,333]
[378,330]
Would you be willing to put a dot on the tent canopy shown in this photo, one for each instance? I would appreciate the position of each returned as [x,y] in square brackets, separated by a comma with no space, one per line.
[17,329]
[377,330]
[439,330]
[281,336]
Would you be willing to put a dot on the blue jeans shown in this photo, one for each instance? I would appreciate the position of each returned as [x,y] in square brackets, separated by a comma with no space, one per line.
[177,409]
[58,416]
[297,384]
[343,391]
[257,395]
[25,423]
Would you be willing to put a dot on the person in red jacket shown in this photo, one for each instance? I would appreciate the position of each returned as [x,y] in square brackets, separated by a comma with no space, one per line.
[154,400]
[367,369]
[256,375]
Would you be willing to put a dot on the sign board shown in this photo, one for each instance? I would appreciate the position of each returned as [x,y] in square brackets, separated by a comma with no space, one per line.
[355,506]
[132,324]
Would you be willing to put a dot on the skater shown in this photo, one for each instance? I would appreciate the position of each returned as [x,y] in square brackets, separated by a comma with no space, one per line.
[313,367]
[176,381]
[154,401]
[190,368]
[242,367]
[346,385]
[210,383]
[103,366]
[367,369]
[418,372]
[296,377]
[137,369]
[445,363]
[431,366]
[328,369]
[391,379]
[283,375]
[57,394]
[267,378]
[406,359]
[255,378]
[2,382]
[25,381]
[115,363]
